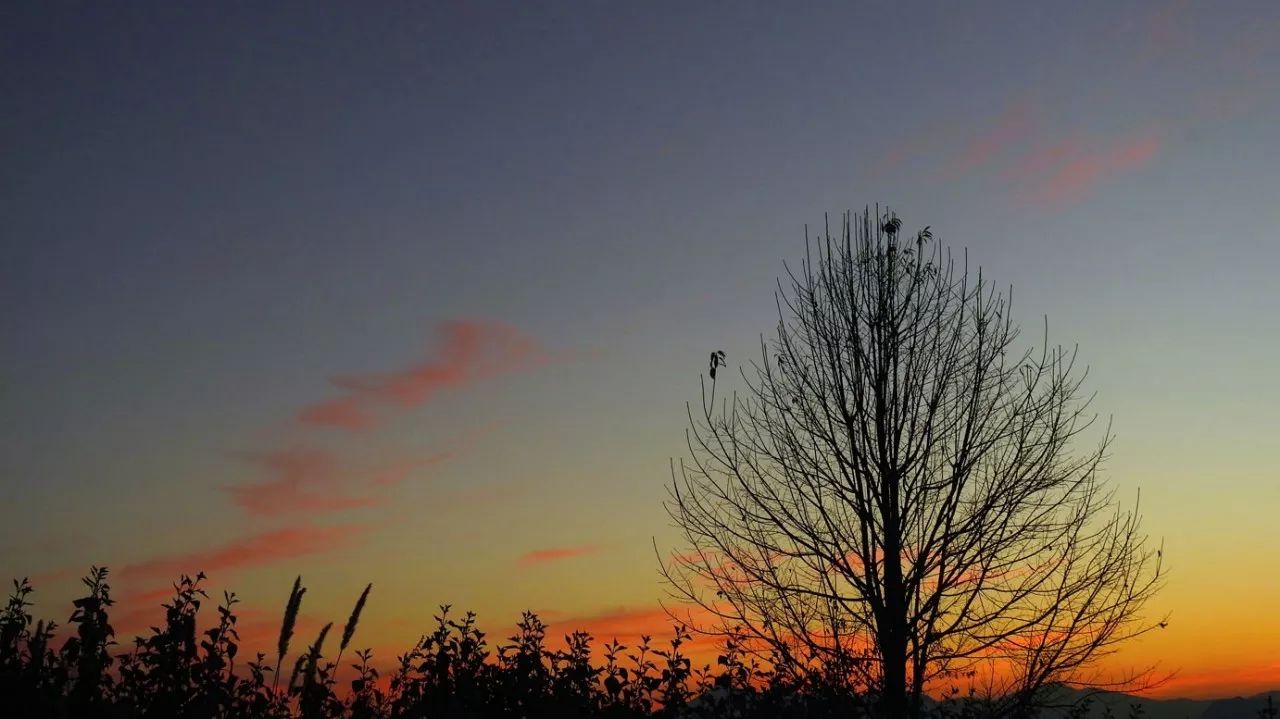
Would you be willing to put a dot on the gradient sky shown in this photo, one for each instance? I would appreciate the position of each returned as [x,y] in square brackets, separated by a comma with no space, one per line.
[415,294]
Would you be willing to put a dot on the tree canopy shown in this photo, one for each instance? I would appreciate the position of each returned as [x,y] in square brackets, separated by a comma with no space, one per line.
[898,492]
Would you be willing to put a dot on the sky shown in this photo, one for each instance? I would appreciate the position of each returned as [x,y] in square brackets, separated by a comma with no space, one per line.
[415,294]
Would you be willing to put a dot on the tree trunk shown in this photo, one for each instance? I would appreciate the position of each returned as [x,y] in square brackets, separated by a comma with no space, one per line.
[893,630]
[893,699]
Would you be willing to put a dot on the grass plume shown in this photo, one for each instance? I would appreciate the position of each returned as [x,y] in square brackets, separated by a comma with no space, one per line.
[286,627]
[349,630]
[313,658]
[353,620]
[452,671]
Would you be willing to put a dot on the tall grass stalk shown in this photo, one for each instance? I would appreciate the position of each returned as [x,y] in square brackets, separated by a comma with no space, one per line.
[313,658]
[286,628]
[350,629]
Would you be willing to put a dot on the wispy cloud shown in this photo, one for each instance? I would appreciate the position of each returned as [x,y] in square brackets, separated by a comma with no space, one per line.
[301,480]
[56,575]
[258,627]
[916,150]
[310,481]
[1067,171]
[947,149]
[253,550]
[554,554]
[468,352]
[629,625]
[622,623]
[345,412]
[399,471]
[1006,134]
[1048,171]
[136,610]
[1242,679]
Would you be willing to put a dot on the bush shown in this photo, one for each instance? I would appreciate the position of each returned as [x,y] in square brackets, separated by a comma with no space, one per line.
[182,672]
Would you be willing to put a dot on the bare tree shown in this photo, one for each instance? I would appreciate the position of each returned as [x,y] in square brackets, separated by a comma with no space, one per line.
[897,497]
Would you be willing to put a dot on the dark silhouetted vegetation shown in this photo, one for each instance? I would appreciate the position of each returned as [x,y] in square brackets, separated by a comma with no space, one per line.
[190,666]
[895,493]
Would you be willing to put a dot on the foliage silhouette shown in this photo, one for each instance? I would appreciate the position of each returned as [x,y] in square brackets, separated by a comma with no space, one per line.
[186,671]
[895,495]
[183,670]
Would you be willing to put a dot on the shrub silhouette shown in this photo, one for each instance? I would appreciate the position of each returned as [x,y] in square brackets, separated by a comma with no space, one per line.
[182,671]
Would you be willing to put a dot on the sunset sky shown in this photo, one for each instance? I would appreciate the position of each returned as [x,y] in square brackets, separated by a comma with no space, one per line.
[415,294]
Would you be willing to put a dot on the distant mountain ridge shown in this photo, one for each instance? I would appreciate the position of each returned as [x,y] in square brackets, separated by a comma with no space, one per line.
[1121,706]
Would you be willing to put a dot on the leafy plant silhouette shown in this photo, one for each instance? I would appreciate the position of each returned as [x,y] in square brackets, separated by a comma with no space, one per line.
[184,671]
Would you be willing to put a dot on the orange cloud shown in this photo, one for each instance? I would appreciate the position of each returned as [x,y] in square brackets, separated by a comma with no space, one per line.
[344,412]
[630,626]
[469,352]
[399,471]
[259,628]
[56,575]
[149,595]
[621,623]
[138,610]
[251,551]
[1065,172]
[1207,684]
[304,480]
[540,556]
[311,480]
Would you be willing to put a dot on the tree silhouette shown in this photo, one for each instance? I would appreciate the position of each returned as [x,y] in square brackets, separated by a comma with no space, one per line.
[896,495]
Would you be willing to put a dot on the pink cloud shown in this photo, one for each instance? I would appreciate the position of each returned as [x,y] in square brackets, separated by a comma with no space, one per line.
[908,151]
[137,610]
[695,558]
[302,480]
[147,596]
[468,352]
[56,575]
[621,623]
[250,551]
[396,472]
[1066,172]
[399,471]
[946,148]
[630,625]
[554,554]
[344,412]
[258,628]
[1010,129]
[311,480]
[1043,159]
